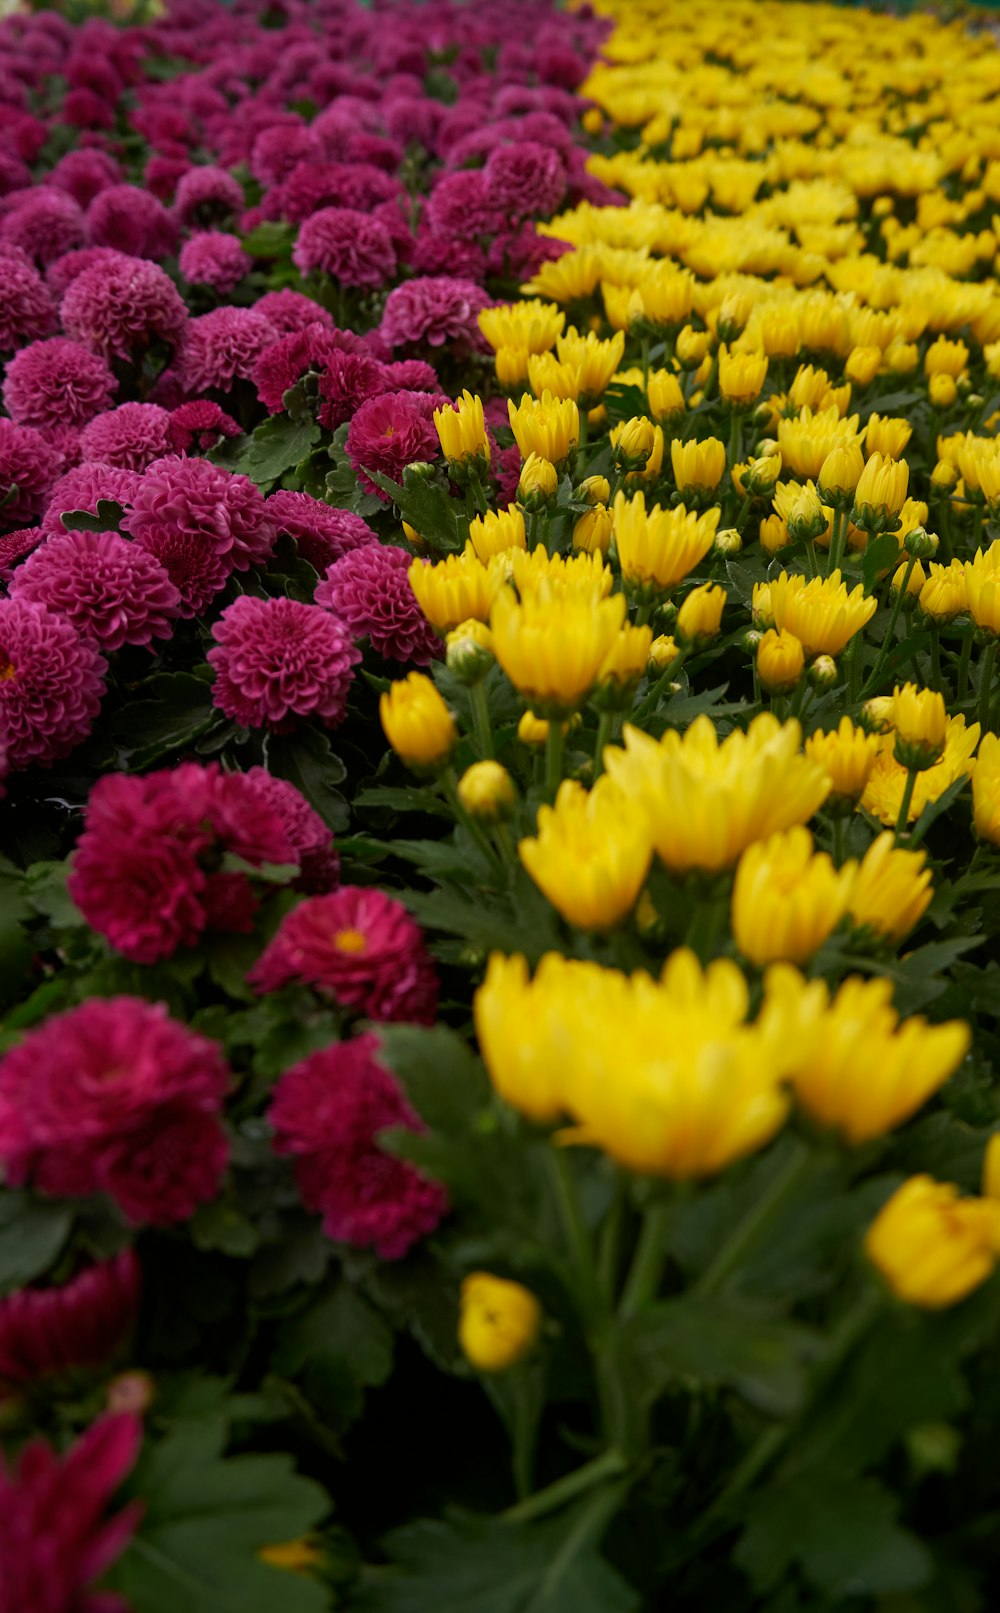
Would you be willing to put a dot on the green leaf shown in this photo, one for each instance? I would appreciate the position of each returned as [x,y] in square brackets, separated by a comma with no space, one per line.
[223,1226]
[306,760]
[270,240]
[171,711]
[445,1083]
[32,1234]
[338,1348]
[107,518]
[277,444]
[206,1519]
[403,798]
[45,890]
[880,554]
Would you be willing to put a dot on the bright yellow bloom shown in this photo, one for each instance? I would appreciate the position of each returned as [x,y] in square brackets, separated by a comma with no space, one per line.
[787,898]
[858,1070]
[774,534]
[453,589]
[664,395]
[593,490]
[546,374]
[496,532]
[946,358]
[666,295]
[706,800]
[901,358]
[511,365]
[886,435]
[780,661]
[931,1246]
[847,756]
[913,577]
[862,364]
[632,442]
[654,464]
[417,723]
[809,388]
[700,616]
[592,361]
[840,471]
[741,376]
[892,889]
[692,346]
[520,1045]
[552,647]
[982,588]
[945,593]
[986,790]
[591,854]
[698,465]
[486,790]
[499,1321]
[461,430]
[883,796]
[584,575]
[761,474]
[530,325]
[538,482]
[592,531]
[881,488]
[532,730]
[806,440]
[920,720]
[546,426]
[820,612]
[658,548]
[627,659]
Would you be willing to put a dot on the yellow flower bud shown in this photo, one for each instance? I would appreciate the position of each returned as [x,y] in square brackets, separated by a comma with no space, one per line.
[593,490]
[787,898]
[632,442]
[920,721]
[470,650]
[417,723]
[658,548]
[876,714]
[944,475]
[880,493]
[886,435]
[862,365]
[741,376]
[592,532]
[499,1321]
[774,534]
[486,790]
[841,472]
[760,605]
[538,483]
[931,1246]
[691,347]
[552,647]
[496,532]
[414,538]
[533,731]
[699,466]
[700,616]
[664,395]
[945,357]
[547,426]
[666,295]
[892,888]
[294,1556]
[914,582]
[942,391]
[461,430]
[728,542]
[780,661]
[663,652]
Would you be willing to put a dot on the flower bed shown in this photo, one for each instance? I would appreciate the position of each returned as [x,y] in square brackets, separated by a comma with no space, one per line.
[498,725]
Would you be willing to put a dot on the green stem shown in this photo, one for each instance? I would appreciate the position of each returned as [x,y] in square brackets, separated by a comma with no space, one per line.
[505,843]
[704,926]
[652,699]
[450,786]
[753,1225]
[838,534]
[977,525]
[735,438]
[935,660]
[606,1466]
[481,720]
[963,666]
[838,841]
[904,805]
[744,512]
[986,684]
[890,633]
[604,726]
[554,745]
[809,556]
[575,1232]
[609,1243]
[646,1269]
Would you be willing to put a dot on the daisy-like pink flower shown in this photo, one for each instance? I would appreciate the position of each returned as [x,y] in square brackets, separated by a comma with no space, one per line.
[370,590]
[322,534]
[57,383]
[390,432]
[276,660]
[131,436]
[360,947]
[109,589]
[81,1323]
[327,1113]
[51,684]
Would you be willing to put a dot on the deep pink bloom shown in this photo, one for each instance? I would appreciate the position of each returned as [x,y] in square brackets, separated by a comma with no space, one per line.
[370,590]
[82,109]
[201,522]
[30,466]
[61,273]
[200,424]
[45,223]
[312,840]
[208,196]
[411,375]
[15,545]
[276,151]
[131,436]
[277,659]
[84,487]
[121,309]
[110,590]
[27,311]
[349,246]
[57,382]
[55,1537]
[347,380]
[82,1323]
[310,187]
[145,868]
[461,205]
[51,683]
[361,947]
[131,221]
[81,174]
[327,1112]
[162,175]
[290,311]
[390,432]
[86,1086]
[291,357]
[322,534]
[213,258]
[434,311]
[223,347]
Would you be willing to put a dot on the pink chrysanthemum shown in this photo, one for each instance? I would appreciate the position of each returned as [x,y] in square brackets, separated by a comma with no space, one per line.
[223,347]
[61,273]
[27,312]
[327,1113]
[200,424]
[525,180]
[120,309]
[55,1537]
[446,255]
[370,590]
[291,357]
[460,205]
[51,683]
[46,1331]
[45,224]
[290,311]
[311,187]
[201,522]
[207,197]
[349,246]
[360,947]
[277,151]
[15,545]
[132,221]
[86,486]
[277,659]
[81,174]
[110,590]
[162,175]
[146,869]
[57,382]
[390,432]
[29,466]
[213,258]
[130,437]
[95,1100]
[434,311]
[312,840]
[347,380]
[322,534]
[411,375]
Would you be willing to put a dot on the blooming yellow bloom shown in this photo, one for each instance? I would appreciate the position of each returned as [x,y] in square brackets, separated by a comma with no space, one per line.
[847,756]
[945,593]
[886,435]
[511,365]
[496,532]
[774,534]
[881,491]
[892,889]
[552,647]
[592,361]
[700,616]
[741,376]
[691,346]
[706,800]
[807,439]
[658,548]
[592,531]
[546,426]
[780,661]
[902,357]
[982,588]
[986,790]
[584,575]
[787,898]
[821,612]
[453,589]
[626,661]
[499,1321]
[664,395]
[417,723]
[590,855]
[931,1246]
[666,295]
[883,795]
[461,430]
[944,357]
[531,325]
[699,466]
[920,720]
[911,577]
[486,790]
[862,364]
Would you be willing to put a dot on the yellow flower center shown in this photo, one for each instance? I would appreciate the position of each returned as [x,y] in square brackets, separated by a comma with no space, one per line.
[7,671]
[350,941]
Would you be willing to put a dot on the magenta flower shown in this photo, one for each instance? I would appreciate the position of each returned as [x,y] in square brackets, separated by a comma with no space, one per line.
[51,684]
[108,589]
[312,186]
[390,432]
[61,273]
[460,205]
[311,839]
[120,309]
[84,487]
[82,1323]
[213,258]
[15,545]
[132,221]
[290,311]
[98,1099]
[55,1537]
[81,174]
[29,467]
[277,659]
[327,1113]
[349,246]
[525,180]
[200,424]
[207,197]
[322,534]
[293,356]
[434,311]
[358,946]
[45,223]
[56,383]
[370,590]
[27,311]
[130,437]
[347,380]
[223,347]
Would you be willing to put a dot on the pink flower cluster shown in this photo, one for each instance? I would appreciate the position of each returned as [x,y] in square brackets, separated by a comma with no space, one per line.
[46,1331]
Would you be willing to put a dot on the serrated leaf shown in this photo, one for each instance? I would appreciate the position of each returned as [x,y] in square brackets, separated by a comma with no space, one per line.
[277,444]
[881,553]
[270,239]
[170,711]
[32,1233]
[107,518]
[307,761]
[444,1081]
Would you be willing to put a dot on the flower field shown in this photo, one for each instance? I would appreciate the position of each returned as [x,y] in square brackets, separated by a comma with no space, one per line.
[500,756]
